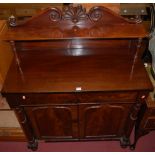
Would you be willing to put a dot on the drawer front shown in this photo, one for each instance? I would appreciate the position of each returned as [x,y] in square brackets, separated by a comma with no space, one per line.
[150,123]
[96,97]
[50,99]
[68,98]
[40,99]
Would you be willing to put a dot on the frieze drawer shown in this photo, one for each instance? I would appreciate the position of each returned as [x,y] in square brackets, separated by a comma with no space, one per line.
[93,97]
[40,99]
[65,98]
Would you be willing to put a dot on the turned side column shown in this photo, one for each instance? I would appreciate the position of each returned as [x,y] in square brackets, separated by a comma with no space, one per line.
[133,116]
[22,118]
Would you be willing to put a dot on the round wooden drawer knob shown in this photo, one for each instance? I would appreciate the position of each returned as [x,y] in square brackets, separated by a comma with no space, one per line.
[23,97]
[143,96]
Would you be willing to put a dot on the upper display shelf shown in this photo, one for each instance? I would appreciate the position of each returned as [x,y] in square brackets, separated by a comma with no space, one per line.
[73,22]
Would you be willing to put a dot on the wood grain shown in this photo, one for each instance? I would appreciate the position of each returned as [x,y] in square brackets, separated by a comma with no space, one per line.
[76,22]
[11,134]
[78,75]
[64,71]
[6,54]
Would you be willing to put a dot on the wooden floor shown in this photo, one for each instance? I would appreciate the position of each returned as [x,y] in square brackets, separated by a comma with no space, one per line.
[11,134]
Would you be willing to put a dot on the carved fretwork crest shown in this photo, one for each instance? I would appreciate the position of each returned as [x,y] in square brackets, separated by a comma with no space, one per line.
[95,14]
[55,14]
[74,13]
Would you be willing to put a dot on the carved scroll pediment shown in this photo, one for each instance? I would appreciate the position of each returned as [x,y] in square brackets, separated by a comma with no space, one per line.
[74,15]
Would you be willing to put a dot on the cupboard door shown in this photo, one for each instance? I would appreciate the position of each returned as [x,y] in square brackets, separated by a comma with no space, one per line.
[54,122]
[103,120]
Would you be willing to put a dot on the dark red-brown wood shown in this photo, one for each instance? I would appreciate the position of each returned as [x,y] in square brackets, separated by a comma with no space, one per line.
[77,75]
[56,122]
[59,70]
[75,22]
[146,120]
[103,120]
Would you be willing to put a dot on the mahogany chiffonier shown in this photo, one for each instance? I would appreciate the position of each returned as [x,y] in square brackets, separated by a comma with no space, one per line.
[76,75]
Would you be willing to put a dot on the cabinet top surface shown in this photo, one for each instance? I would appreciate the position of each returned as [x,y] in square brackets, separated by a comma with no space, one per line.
[75,22]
